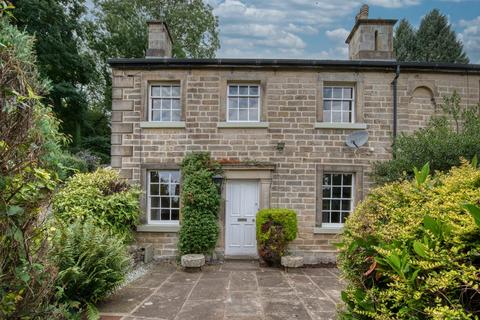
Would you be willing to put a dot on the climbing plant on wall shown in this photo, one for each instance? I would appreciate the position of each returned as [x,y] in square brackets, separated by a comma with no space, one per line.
[200,203]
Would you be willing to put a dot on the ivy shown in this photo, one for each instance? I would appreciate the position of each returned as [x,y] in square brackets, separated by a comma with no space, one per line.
[200,204]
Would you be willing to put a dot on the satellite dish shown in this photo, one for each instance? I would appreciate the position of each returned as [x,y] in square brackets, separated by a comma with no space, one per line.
[357,139]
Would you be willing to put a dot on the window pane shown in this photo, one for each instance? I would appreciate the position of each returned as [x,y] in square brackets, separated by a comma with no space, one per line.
[166,91]
[347,192]
[243,103]
[156,91]
[253,103]
[165,202]
[337,179]
[176,104]
[327,192]
[154,190]
[243,90]
[327,179]
[232,114]
[177,189]
[253,114]
[336,117]
[347,93]
[233,90]
[326,217]
[327,104]
[335,204]
[337,105]
[344,216]
[166,104]
[153,176]
[175,215]
[336,192]
[326,205]
[327,116]
[175,176]
[243,115]
[156,115]
[164,190]
[347,105]
[165,214]
[176,115]
[346,205]
[327,92]
[347,179]
[337,93]
[175,202]
[165,115]
[335,217]
[155,214]
[233,103]
[155,202]
[253,90]
[176,91]
[156,103]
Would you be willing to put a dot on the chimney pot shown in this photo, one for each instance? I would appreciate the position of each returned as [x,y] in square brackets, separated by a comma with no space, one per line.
[159,40]
[363,13]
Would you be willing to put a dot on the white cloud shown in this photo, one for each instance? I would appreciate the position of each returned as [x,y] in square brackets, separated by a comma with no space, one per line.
[470,36]
[394,3]
[338,34]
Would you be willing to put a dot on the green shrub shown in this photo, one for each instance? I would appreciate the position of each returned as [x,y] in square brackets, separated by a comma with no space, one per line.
[91,264]
[443,143]
[101,196]
[275,227]
[200,203]
[411,250]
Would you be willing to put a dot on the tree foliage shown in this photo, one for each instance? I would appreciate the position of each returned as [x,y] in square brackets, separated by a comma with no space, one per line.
[410,249]
[434,41]
[29,145]
[443,143]
[200,203]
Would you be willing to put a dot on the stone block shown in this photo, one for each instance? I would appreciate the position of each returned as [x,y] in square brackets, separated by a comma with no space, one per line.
[117,116]
[121,150]
[116,162]
[193,260]
[148,253]
[117,93]
[116,139]
[123,82]
[122,127]
[122,105]
[126,173]
[292,261]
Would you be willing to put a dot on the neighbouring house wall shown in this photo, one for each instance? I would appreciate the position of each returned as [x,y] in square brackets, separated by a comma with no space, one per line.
[291,101]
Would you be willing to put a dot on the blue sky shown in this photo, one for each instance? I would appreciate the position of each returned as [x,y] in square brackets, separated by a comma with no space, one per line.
[317,29]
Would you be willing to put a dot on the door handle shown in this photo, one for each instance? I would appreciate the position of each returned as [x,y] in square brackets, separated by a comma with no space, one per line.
[241,219]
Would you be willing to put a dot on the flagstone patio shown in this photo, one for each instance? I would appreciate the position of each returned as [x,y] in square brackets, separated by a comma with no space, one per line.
[235,290]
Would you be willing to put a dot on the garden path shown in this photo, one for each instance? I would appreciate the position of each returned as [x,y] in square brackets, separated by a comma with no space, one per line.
[240,290]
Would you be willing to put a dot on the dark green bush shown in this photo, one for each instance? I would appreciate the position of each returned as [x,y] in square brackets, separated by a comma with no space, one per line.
[411,250]
[103,197]
[91,264]
[200,203]
[275,228]
[443,143]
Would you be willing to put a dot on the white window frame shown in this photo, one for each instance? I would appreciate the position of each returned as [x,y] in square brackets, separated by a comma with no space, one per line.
[151,97]
[352,100]
[248,96]
[149,214]
[352,200]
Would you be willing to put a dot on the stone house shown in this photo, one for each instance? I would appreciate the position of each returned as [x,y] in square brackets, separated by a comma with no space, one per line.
[278,127]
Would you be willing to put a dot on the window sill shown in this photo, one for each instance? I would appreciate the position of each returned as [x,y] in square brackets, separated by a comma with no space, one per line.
[153,125]
[339,125]
[248,125]
[158,228]
[320,230]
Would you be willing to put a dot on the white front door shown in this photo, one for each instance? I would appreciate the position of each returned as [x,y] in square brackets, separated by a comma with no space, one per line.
[242,206]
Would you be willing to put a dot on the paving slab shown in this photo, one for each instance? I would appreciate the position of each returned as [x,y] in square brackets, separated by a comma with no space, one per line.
[236,290]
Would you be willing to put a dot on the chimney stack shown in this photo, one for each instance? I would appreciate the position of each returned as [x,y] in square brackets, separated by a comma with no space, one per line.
[371,39]
[159,40]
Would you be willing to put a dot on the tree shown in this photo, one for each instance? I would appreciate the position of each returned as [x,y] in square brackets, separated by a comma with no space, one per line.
[61,56]
[434,41]
[404,42]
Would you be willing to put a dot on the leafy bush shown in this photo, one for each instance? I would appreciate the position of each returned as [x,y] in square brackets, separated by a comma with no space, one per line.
[200,203]
[101,196]
[275,227]
[91,263]
[411,250]
[443,143]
